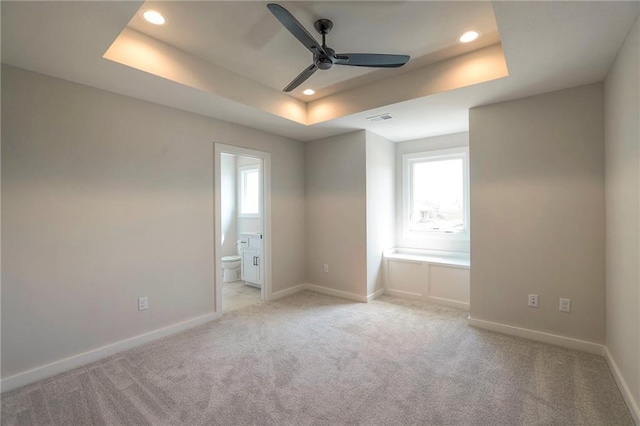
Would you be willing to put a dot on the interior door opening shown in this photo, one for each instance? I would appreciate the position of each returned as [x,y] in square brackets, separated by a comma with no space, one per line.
[242,227]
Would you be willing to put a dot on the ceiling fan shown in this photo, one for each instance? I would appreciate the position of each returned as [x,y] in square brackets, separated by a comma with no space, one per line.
[325,57]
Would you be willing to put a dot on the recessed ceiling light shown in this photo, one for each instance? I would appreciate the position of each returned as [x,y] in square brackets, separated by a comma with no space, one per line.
[309,92]
[469,36]
[154,17]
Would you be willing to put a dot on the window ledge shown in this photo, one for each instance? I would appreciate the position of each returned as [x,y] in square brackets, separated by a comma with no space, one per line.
[437,257]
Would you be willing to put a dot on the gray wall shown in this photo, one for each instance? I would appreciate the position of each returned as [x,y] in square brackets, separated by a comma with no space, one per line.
[336,212]
[431,242]
[380,182]
[537,212]
[622,148]
[107,198]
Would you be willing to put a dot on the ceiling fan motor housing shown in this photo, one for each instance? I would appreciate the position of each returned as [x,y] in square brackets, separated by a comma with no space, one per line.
[324,62]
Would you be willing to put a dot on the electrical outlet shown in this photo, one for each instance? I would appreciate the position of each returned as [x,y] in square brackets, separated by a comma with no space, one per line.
[143,304]
[533,300]
[325,268]
[565,305]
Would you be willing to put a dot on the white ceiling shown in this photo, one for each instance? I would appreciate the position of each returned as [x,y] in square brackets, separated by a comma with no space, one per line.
[547,45]
[245,38]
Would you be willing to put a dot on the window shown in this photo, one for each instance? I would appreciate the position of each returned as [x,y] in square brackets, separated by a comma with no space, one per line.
[435,194]
[249,191]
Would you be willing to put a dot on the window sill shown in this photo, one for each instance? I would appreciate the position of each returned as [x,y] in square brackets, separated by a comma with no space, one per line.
[248,216]
[437,257]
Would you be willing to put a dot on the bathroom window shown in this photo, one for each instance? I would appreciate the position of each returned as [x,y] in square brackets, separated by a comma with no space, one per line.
[249,191]
[436,194]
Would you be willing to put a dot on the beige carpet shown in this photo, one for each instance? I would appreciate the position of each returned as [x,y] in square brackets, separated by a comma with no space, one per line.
[312,359]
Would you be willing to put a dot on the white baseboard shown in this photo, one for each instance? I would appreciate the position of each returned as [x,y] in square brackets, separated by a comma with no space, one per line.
[79,360]
[325,290]
[375,295]
[287,292]
[440,301]
[448,302]
[622,385]
[336,293]
[553,339]
[403,294]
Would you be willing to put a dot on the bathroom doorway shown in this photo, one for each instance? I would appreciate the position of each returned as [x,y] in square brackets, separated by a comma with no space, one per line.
[242,227]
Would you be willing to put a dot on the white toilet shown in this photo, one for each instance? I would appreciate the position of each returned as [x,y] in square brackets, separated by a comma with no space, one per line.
[231,266]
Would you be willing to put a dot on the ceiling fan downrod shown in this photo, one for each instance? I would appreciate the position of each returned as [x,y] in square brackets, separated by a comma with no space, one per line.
[324,61]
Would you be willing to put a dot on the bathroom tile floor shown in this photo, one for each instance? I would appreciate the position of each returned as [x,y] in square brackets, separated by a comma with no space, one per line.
[238,295]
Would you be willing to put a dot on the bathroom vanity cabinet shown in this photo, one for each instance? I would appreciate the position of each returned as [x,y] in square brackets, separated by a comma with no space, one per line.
[251,271]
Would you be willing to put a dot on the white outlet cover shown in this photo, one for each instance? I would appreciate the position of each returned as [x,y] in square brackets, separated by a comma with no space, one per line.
[565,305]
[533,300]
[143,304]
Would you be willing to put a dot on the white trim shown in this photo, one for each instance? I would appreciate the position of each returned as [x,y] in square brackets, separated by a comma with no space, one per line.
[408,160]
[404,294]
[375,294]
[449,302]
[452,259]
[336,293]
[326,290]
[553,339]
[85,358]
[287,292]
[632,405]
[425,298]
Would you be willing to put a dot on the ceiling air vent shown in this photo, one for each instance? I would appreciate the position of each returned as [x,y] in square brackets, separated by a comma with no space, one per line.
[380,117]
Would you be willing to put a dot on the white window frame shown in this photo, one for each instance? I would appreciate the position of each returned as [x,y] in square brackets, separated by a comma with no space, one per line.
[242,170]
[408,160]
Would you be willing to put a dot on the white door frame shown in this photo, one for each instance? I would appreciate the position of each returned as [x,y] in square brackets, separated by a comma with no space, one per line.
[265,219]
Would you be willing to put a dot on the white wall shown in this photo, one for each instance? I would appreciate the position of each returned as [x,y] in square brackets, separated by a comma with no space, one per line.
[434,242]
[107,198]
[622,147]
[229,216]
[336,213]
[380,193]
[537,212]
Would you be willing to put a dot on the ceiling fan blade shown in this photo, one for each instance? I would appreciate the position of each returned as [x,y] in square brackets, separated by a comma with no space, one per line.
[308,72]
[377,60]
[295,28]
